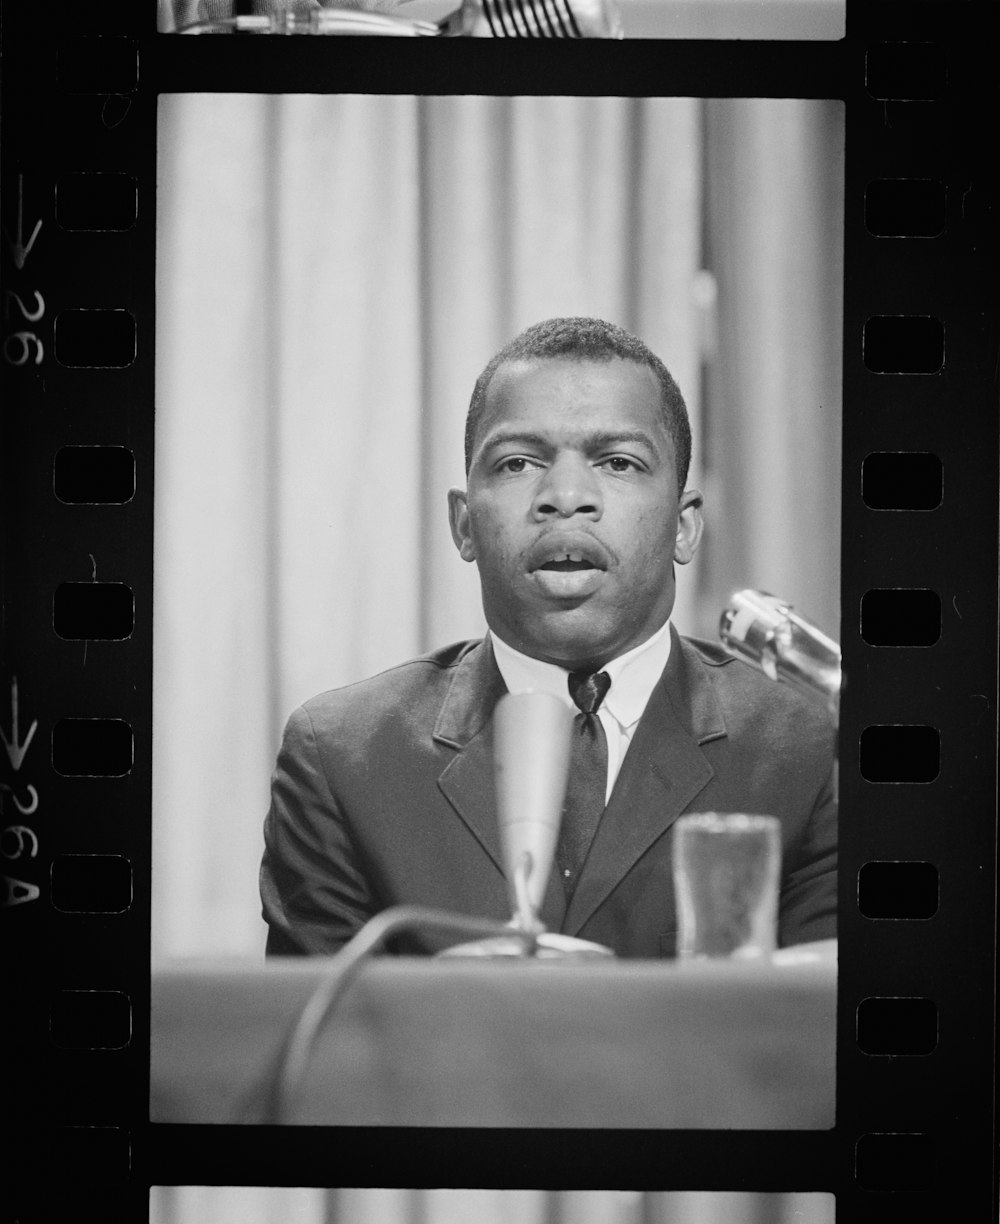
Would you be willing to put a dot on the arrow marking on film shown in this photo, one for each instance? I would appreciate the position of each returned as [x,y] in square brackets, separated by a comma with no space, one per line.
[15,750]
[18,249]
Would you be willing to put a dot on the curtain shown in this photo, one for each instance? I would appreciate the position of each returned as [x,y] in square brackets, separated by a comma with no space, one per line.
[771,428]
[279,1205]
[332,275]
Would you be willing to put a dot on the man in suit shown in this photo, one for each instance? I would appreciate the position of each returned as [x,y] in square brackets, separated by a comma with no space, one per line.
[576,513]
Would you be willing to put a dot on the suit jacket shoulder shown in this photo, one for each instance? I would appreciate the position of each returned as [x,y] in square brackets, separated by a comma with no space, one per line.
[366,811]
[749,703]
[405,701]
[414,678]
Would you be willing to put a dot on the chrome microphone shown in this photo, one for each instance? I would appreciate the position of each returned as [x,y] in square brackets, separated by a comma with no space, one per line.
[532,733]
[532,738]
[472,19]
[784,645]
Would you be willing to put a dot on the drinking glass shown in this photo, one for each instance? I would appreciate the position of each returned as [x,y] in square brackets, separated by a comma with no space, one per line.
[726,872]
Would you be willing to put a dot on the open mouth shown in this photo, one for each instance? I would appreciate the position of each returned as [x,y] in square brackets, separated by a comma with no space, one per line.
[568,556]
[568,565]
[569,569]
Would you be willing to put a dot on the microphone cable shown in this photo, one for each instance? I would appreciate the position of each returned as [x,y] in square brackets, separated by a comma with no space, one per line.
[341,971]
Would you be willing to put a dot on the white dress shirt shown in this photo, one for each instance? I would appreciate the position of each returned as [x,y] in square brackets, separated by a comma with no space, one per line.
[633,678]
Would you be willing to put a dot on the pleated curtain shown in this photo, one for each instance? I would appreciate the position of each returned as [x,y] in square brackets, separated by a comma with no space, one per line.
[304,1205]
[332,275]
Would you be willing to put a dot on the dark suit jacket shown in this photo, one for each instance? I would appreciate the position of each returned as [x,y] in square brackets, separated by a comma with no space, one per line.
[383,794]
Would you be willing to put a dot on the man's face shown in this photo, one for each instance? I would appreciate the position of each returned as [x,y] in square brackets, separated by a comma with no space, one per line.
[573,514]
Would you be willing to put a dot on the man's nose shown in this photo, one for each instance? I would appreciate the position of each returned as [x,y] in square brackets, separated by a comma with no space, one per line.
[570,486]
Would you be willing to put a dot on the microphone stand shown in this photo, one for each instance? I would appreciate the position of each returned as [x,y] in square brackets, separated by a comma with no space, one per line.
[528,940]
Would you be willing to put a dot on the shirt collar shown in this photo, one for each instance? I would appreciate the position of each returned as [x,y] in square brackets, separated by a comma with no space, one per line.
[633,675]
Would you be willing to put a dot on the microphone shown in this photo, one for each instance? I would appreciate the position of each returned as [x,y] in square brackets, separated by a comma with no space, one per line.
[487,19]
[784,645]
[532,737]
[472,19]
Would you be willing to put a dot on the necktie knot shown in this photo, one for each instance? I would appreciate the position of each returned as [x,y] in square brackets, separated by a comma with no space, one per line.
[589,690]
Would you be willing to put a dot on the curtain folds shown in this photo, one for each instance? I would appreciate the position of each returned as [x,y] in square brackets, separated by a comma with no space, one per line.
[772,436]
[333,273]
[278,1205]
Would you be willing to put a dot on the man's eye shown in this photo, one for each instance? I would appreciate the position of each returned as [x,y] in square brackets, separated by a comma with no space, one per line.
[620,463]
[515,464]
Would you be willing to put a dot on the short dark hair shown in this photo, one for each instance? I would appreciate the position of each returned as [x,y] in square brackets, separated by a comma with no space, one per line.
[586,339]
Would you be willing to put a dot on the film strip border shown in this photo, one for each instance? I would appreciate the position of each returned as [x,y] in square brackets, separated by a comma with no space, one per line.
[914,1029]
[915,1119]
[77,371]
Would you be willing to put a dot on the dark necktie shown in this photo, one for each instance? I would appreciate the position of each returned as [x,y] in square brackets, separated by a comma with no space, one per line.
[588,777]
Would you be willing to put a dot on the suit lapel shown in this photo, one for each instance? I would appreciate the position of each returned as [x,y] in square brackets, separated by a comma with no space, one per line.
[465,724]
[664,769]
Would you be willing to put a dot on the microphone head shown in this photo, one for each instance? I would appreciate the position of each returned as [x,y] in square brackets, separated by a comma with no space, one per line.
[749,624]
[532,733]
[472,19]
[769,633]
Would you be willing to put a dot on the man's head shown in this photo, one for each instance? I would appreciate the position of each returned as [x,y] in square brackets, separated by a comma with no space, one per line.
[591,340]
[577,448]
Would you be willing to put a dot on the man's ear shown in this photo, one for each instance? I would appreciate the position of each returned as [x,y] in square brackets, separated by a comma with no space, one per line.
[689,525]
[458,518]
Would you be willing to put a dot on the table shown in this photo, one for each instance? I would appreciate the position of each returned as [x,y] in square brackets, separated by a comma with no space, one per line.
[427,1042]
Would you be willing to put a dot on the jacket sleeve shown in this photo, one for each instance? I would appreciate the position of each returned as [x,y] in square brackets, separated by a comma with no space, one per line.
[313,891]
[808,902]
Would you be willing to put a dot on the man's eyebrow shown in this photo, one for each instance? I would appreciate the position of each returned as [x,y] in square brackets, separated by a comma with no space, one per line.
[591,441]
[615,437]
[515,437]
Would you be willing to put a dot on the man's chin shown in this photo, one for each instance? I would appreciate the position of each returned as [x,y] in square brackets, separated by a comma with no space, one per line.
[571,637]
